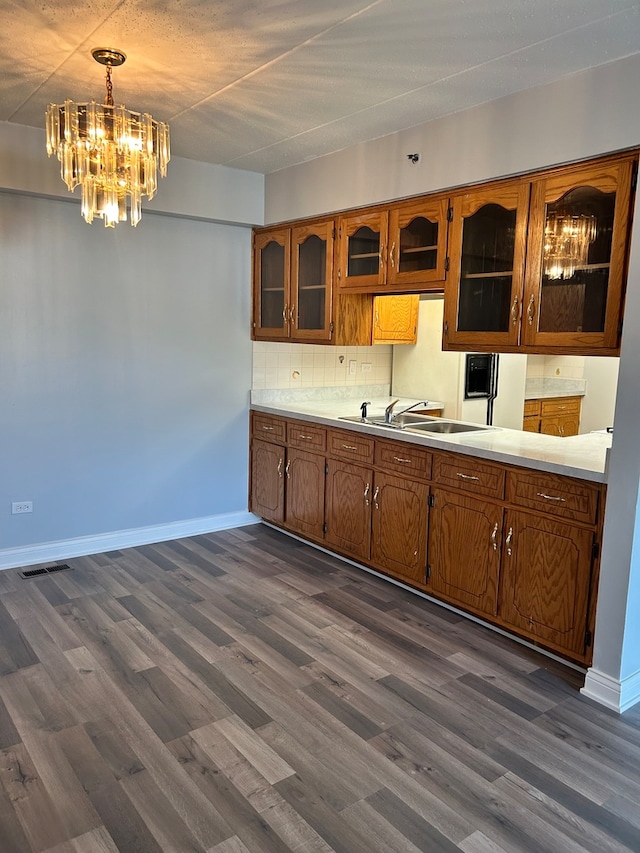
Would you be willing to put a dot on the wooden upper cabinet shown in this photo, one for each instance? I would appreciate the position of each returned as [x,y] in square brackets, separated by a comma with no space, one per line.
[579,222]
[271,276]
[362,250]
[292,275]
[417,253]
[311,281]
[484,290]
[402,248]
[395,319]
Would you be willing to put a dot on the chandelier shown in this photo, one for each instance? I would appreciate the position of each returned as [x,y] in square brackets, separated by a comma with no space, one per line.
[112,153]
[567,238]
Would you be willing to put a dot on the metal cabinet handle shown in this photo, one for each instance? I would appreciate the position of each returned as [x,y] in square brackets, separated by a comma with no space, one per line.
[349,447]
[280,461]
[508,540]
[284,312]
[400,459]
[494,534]
[391,258]
[292,312]
[466,476]
[514,310]
[531,309]
[551,497]
[366,494]
[381,255]
[286,470]
[304,437]
[375,497]
[268,428]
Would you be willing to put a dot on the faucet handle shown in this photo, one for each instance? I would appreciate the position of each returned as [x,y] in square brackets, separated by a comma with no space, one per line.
[388,412]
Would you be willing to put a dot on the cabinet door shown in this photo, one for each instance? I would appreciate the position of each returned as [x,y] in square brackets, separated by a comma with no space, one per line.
[348,509]
[267,480]
[362,251]
[483,292]
[271,280]
[546,573]
[577,256]
[418,244]
[311,277]
[305,492]
[399,526]
[464,550]
[395,319]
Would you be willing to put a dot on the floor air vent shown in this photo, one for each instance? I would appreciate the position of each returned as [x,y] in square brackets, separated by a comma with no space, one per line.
[49,570]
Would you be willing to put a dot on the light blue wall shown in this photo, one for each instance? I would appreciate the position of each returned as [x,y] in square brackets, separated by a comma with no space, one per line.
[125,364]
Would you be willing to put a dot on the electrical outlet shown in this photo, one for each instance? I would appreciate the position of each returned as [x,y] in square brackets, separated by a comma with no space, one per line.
[365,367]
[21,506]
[353,367]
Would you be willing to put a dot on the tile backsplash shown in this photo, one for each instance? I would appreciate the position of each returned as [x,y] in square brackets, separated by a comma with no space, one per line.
[281,365]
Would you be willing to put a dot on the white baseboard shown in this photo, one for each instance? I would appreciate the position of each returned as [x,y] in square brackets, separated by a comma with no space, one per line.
[608,691]
[31,555]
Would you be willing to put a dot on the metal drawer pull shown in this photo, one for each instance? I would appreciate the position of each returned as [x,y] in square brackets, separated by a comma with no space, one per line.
[366,495]
[305,437]
[280,461]
[466,476]
[508,540]
[494,533]
[268,428]
[400,459]
[551,497]
[349,447]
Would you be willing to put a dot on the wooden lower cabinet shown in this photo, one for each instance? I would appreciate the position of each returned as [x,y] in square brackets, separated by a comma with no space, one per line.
[348,509]
[464,550]
[304,504]
[267,480]
[511,545]
[399,526]
[545,580]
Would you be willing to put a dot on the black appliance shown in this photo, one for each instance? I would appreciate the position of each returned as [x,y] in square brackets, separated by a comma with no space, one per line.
[481,379]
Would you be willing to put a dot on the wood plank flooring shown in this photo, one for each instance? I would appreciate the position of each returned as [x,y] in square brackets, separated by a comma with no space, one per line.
[243,693]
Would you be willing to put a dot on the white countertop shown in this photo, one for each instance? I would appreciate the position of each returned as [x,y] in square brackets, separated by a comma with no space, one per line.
[582,456]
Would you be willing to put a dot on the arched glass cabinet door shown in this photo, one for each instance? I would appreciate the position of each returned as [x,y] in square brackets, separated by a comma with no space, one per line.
[271,308]
[311,275]
[484,288]
[417,253]
[362,251]
[576,269]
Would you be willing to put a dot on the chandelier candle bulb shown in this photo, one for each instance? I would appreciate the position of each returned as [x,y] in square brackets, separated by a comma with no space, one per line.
[113,153]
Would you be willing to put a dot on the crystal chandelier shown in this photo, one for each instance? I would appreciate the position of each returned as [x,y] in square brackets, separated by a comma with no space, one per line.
[567,238]
[113,153]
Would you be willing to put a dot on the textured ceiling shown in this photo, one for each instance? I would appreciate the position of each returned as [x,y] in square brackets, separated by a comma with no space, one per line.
[264,84]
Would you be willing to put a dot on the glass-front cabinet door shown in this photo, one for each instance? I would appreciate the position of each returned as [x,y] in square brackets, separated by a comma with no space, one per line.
[484,287]
[311,275]
[362,252]
[418,244]
[576,266]
[271,308]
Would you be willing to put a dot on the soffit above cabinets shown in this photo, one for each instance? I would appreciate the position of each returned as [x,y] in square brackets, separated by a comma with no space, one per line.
[265,84]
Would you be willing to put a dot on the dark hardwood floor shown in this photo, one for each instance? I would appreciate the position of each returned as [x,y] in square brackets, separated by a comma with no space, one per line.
[243,692]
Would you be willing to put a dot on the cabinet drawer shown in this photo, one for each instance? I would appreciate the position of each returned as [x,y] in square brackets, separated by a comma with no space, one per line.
[268,427]
[560,406]
[469,475]
[531,407]
[554,494]
[350,445]
[403,458]
[306,436]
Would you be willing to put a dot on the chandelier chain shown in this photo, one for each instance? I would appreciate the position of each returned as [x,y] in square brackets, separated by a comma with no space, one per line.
[108,99]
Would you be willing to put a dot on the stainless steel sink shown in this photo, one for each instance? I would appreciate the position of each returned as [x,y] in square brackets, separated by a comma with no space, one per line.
[402,421]
[420,423]
[447,427]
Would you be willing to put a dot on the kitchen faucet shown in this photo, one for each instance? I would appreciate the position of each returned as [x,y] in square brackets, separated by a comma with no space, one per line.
[390,415]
